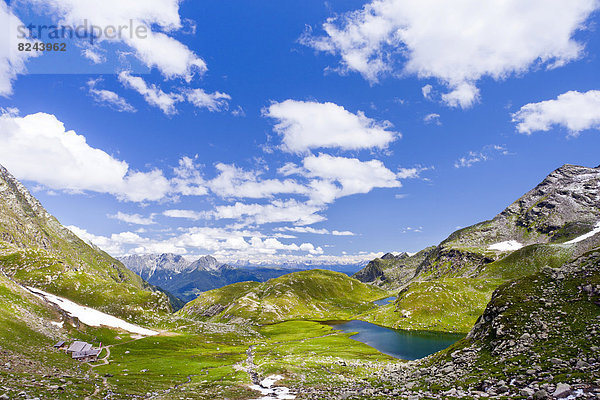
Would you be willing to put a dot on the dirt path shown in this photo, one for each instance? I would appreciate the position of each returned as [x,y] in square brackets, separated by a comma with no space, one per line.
[251,367]
[265,386]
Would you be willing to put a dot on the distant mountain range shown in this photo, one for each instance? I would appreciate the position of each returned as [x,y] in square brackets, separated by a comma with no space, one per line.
[186,279]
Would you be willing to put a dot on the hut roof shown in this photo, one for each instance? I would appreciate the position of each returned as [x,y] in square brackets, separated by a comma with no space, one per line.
[86,353]
[78,346]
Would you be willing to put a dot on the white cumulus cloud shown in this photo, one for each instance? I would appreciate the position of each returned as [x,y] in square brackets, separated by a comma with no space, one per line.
[38,148]
[351,175]
[291,210]
[574,111]
[154,47]
[457,42]
[234,182]
[305,125]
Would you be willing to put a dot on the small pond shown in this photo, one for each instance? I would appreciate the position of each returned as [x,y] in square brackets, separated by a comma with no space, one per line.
[407,345]
[385,302]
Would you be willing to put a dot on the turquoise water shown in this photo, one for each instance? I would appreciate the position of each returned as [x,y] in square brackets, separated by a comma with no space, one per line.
[384,302]
[406,345]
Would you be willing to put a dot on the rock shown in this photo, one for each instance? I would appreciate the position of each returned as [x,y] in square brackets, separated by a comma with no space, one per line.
[581,364]
[527,392]
[540,395]
[4,397]
[562,390]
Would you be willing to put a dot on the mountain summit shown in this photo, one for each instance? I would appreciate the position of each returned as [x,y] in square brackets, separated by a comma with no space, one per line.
[450,284]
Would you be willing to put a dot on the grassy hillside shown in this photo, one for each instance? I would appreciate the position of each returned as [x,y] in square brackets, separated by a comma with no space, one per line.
[36,250]
[537,332]
[110,288]
[451,302]
[27,360]
[308,295]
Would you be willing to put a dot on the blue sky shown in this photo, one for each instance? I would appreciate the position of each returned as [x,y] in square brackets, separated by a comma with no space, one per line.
[306,131]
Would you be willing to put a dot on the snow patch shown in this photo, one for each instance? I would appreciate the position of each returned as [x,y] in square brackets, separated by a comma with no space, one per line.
[58,324]
[509,245]
[586,236]
[272,393]
[89,316]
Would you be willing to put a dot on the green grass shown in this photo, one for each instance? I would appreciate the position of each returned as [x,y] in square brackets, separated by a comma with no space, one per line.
[95,287]
[211,366]
[536,304]
[164,362]
[309,295]
[26,341]
[527,261]
[444,305]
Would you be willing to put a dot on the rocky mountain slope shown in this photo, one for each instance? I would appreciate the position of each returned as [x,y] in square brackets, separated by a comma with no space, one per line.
[310,295]
[186,279]
[36,250]
[447,287]
[537,339]
[392,271]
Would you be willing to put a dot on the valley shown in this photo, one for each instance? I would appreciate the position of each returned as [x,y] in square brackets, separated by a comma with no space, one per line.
[516,299]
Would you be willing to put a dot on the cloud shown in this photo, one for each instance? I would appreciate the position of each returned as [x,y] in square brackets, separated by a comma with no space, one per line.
[94,55]
[291,210]
[412,173]
[38,148]
[212,101]
[226,244]
[188,181]
[167,101]
[185,214]
[151,93]
[308,229]
[409,229]
[233,182]
[426,90]
[305,125]
[456,42]
[12,61]
[352,175]
[485,154]
[574,111]
[109,98]
[153,47]
[432,119]
[113,245]
[135,219]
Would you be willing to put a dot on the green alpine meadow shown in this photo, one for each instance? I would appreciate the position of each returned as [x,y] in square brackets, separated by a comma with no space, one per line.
[299,200]
[520,291]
